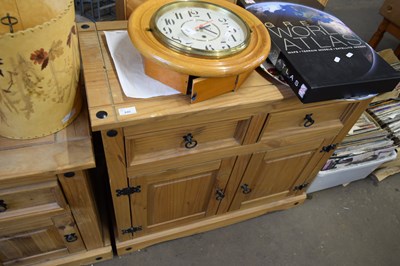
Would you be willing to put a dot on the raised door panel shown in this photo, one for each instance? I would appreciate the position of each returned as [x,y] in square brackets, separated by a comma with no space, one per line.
[272,175]
[179,196]
[187,198]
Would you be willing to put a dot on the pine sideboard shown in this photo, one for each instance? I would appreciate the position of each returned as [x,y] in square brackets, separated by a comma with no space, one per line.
[48,211]
[177,169]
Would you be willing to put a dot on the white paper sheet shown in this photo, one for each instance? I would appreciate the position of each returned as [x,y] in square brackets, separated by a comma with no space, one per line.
[128,63]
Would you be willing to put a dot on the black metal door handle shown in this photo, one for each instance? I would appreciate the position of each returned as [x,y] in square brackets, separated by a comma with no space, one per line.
[245,189]
[71,237]
[219,194]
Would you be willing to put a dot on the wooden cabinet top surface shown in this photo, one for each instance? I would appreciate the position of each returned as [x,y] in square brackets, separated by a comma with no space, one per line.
[105,94]
[67,150]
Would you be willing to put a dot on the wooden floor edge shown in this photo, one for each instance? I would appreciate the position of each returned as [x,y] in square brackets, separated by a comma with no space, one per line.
[207,224]
[82,258]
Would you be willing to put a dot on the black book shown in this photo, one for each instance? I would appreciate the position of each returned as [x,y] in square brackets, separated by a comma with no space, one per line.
[319,56]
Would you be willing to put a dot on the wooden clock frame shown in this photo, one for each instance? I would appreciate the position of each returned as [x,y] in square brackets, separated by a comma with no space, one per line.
[201,78]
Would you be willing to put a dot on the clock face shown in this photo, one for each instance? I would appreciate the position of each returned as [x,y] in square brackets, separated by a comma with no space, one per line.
[200,29]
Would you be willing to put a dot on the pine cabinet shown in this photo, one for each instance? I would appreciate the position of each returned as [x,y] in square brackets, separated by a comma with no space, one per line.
[177,169]
[48,209]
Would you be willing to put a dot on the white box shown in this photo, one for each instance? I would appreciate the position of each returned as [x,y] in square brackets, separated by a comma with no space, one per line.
[334,177]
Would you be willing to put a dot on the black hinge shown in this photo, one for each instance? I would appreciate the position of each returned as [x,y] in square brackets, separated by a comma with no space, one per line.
[301,187]
[128,191]
[132,230]
[328,148]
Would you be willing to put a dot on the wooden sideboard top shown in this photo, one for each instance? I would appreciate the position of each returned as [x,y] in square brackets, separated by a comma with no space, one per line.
[105,95]
[67,150]
[104,92]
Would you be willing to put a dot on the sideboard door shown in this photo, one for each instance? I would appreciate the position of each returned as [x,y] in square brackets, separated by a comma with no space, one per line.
[178,196]
[272,175]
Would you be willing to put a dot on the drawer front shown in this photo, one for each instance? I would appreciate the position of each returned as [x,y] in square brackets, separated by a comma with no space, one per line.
[172,144]
[31,198]
[327,118]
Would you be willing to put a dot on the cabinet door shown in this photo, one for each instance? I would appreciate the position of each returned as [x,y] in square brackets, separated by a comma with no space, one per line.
[36,238]
[178,196]
[272,175]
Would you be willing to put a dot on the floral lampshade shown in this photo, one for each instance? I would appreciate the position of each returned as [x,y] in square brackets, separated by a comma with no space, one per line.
[39,67]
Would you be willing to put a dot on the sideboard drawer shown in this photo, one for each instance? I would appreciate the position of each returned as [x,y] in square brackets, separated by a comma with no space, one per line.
[307,120]
[168,144]
[25,199]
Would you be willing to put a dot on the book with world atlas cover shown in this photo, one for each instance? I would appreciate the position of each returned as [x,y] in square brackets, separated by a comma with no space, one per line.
[319,56]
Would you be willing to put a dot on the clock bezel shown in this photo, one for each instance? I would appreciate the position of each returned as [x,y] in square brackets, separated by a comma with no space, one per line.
[190,51]
[152,50]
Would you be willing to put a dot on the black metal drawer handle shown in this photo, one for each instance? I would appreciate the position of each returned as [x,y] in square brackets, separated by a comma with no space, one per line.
[3,206]
[245,189]
[190,142]
[308,121]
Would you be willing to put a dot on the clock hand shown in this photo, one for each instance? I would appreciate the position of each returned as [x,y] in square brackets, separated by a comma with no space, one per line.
[198,27]
[207,29]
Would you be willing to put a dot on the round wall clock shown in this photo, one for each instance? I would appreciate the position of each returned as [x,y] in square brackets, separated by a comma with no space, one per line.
[201,48]
[200,29]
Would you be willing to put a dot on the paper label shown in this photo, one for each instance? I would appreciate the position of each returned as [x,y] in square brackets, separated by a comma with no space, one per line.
[302,91]
[127,110]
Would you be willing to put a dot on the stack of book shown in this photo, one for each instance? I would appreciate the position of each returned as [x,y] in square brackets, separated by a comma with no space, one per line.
[386,110]
[365,142]
[387,114]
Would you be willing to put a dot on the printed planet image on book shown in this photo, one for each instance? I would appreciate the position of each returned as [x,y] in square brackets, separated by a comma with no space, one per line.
[319,56]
